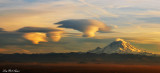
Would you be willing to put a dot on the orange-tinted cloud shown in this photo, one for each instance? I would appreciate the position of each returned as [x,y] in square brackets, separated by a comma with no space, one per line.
[55,35]
[36,37]
[40,34]
[2,50]
[13,49]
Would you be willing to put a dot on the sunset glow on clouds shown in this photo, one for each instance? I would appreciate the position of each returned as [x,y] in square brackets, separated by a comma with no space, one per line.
[36,37]
[39,34]
[46,22]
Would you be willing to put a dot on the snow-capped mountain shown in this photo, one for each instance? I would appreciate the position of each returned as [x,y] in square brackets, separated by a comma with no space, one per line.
[118,46]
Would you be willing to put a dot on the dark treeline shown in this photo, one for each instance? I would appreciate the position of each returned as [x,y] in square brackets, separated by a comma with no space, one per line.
[81,58]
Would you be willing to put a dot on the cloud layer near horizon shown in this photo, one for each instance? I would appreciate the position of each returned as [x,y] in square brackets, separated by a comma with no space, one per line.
[88,26]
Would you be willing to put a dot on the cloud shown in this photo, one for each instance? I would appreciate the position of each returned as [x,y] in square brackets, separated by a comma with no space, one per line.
[22,51]
[41,13]
[55,36]
[36,37]
[151,20]
[149,13]
[26,35]
[100,11]
[88,26]
[145,40]
[12,38]
[36,29]
[2,50]
[13,49]
[1,30]
[40,34]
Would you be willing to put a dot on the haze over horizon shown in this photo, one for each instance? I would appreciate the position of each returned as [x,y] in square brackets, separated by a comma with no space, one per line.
[44,26]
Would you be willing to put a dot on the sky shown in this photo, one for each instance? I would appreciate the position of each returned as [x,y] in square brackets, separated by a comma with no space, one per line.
[44,26]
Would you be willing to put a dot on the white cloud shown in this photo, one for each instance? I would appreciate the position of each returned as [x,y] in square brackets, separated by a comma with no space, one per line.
[88,26]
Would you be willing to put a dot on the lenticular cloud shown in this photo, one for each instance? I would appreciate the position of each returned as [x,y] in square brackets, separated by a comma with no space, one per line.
[39,34]
[87,26]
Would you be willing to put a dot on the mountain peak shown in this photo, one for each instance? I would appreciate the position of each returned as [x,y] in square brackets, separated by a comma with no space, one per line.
[119,39]
[118,46]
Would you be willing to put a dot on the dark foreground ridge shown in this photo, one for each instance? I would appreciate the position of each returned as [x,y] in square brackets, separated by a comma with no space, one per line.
[79,63]
[81,58]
